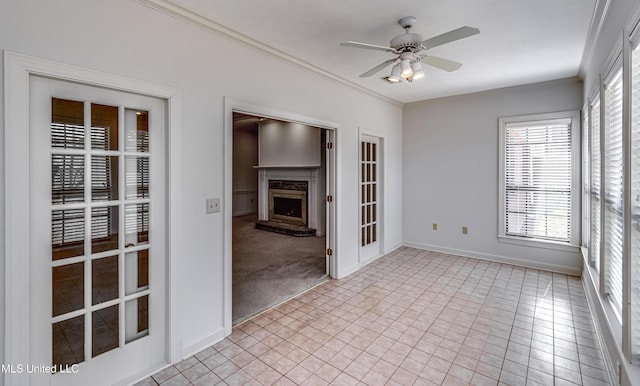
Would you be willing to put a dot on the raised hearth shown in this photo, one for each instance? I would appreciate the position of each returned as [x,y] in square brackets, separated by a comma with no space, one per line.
[284,228]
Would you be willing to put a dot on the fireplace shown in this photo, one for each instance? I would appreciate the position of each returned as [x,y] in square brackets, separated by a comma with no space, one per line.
[288,201]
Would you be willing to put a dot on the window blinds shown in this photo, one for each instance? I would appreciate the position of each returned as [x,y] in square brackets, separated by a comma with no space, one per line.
[634,311]
[586,188]
[594,131]
[613,190]
[538,179]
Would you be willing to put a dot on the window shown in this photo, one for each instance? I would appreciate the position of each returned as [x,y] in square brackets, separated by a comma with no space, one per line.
[594,131]
[635,207]
[586,185]
[539,176]
[613,190]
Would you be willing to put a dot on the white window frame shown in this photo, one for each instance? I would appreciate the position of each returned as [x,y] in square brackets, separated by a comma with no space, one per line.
[574,244]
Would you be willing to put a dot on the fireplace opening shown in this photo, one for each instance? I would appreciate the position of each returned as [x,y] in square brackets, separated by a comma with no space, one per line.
[290,207]
[288,201]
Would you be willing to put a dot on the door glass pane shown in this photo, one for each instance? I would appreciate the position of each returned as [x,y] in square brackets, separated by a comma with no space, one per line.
[105,330]
[136,271]
[137,318]
[67,124]
[104,228]
[67,178]
[104,127]
[373,152]
[68,341]
[68,288]
[104,279]
[67,233]
[104,178]
[137,178]
[137,224]
[137,128]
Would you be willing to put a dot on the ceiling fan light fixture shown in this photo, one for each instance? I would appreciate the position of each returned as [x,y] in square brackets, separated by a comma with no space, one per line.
[405,66]
[395,74]
[418,72]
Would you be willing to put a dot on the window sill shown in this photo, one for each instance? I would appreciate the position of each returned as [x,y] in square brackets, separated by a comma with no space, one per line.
[535,243]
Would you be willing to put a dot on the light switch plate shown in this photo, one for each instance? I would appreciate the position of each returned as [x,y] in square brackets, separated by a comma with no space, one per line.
[213,205]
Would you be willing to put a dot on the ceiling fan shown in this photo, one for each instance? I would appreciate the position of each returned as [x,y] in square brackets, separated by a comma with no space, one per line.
[407,64]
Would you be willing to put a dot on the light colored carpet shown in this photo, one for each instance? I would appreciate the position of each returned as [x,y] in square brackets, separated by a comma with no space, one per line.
[269,268]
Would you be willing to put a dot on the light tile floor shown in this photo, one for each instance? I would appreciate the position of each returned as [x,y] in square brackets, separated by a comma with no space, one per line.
[413,317]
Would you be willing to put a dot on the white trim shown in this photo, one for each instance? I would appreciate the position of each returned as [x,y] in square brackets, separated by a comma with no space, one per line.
[546,244]
[202,344]
[576,174]
[600,12]
[234,105]
[569,270]
[186,15]
[17,70]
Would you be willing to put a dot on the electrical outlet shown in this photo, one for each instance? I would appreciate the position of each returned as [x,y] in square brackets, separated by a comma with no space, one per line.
[465,230]
[213,205]
[434,227]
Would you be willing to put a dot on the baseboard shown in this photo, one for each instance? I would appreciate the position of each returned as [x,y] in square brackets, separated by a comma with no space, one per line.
[393,248]
[348,271]
[142,375]
[243,213]
[357,267]
[496,258]
[202,344]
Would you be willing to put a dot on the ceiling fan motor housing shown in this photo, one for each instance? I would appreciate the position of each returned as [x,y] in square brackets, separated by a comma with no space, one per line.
[406,42]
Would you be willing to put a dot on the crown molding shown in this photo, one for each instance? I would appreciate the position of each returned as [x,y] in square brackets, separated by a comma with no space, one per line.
[598,18]
[170,8]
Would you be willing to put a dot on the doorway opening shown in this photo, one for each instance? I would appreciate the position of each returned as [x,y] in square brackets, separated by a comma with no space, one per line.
[279,212]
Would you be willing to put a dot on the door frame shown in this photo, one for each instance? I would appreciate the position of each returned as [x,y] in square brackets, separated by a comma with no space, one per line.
[18,69]
[381,192]
[332,129]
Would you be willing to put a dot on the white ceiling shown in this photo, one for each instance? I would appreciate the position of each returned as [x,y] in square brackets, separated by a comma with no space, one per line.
[520,41]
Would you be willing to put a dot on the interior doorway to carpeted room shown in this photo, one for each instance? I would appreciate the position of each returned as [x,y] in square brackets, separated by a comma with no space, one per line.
[279,223]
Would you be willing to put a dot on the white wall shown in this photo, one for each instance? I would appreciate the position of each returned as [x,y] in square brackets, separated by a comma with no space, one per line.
[127,38]
[288,144]
[450,166]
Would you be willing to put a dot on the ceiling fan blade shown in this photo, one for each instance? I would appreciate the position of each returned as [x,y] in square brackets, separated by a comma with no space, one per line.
[366,46]
[441,63]
[448,37]
[378,68]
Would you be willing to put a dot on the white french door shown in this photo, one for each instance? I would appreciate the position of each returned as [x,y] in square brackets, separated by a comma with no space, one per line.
[369,197]
[97,232]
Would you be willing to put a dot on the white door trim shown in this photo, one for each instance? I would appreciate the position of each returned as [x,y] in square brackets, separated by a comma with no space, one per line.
[234,105]
[17,70]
